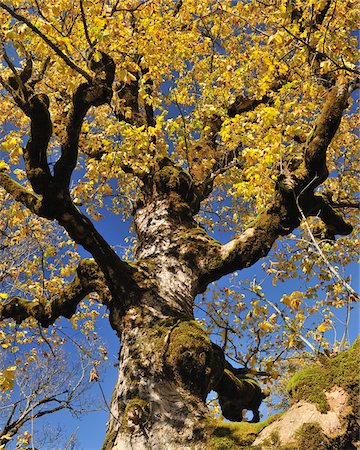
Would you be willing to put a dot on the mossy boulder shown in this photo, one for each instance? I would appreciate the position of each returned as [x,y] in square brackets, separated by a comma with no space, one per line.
[235,435]
[312,383]
[323,413]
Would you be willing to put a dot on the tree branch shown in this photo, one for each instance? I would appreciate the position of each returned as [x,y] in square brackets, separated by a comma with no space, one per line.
[314,164]
[55,202]
[56,49]
[83,18]
[128,94]
[293,191]
[88,279]
[331,268]
[96,93]
[19,193]
[35,106]
[237,392]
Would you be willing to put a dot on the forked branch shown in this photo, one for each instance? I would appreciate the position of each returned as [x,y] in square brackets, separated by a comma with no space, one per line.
[293,191]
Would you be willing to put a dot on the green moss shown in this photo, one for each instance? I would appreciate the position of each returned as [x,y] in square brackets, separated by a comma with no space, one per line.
[199,236]
[235,435]
[311,437]
[190,355]
[312,383]
[109,440]
[273,443]
[138,402]
[174,179]
[199,243]
[182,349]
[136,411]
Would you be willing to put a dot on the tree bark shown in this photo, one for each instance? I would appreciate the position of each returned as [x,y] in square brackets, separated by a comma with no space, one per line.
[167,366]
[167,362]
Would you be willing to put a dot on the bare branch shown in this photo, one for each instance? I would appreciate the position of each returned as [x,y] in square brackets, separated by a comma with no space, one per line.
[287,321]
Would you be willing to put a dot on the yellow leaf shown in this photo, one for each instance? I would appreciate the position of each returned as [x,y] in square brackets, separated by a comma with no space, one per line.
[4,167]
[266,326]
[322,327]
[7,437]
[7,378]
[3,295]
[97,56]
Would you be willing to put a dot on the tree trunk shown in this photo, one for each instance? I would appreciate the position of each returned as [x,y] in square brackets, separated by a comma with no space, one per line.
[167,362]
[167,367]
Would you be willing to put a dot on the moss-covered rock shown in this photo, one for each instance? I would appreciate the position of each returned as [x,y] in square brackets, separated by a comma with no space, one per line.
[311,384]
[235,435]
[324,412]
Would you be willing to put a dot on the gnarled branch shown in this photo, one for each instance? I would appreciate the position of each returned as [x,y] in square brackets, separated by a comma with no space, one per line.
[236,390]
[55,202]
[293,190]
[88,278]
[35,106]
[95,93]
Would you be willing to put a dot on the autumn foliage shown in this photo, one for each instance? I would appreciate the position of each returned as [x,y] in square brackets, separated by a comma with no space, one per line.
[206,116]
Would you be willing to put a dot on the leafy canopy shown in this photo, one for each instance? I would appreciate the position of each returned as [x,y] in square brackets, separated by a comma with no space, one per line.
[191,61]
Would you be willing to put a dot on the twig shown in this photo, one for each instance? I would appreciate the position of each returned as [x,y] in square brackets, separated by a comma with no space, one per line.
[331,268]
[56,49]
[347,320]
[83,18]
[106,402]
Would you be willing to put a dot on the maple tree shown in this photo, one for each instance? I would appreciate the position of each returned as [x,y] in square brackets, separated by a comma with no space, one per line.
[185,116]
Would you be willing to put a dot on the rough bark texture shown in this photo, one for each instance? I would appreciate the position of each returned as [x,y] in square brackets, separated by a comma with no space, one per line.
[167,363]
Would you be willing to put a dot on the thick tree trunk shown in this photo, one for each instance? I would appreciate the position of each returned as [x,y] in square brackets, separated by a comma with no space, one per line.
[167,362]
[167,366]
